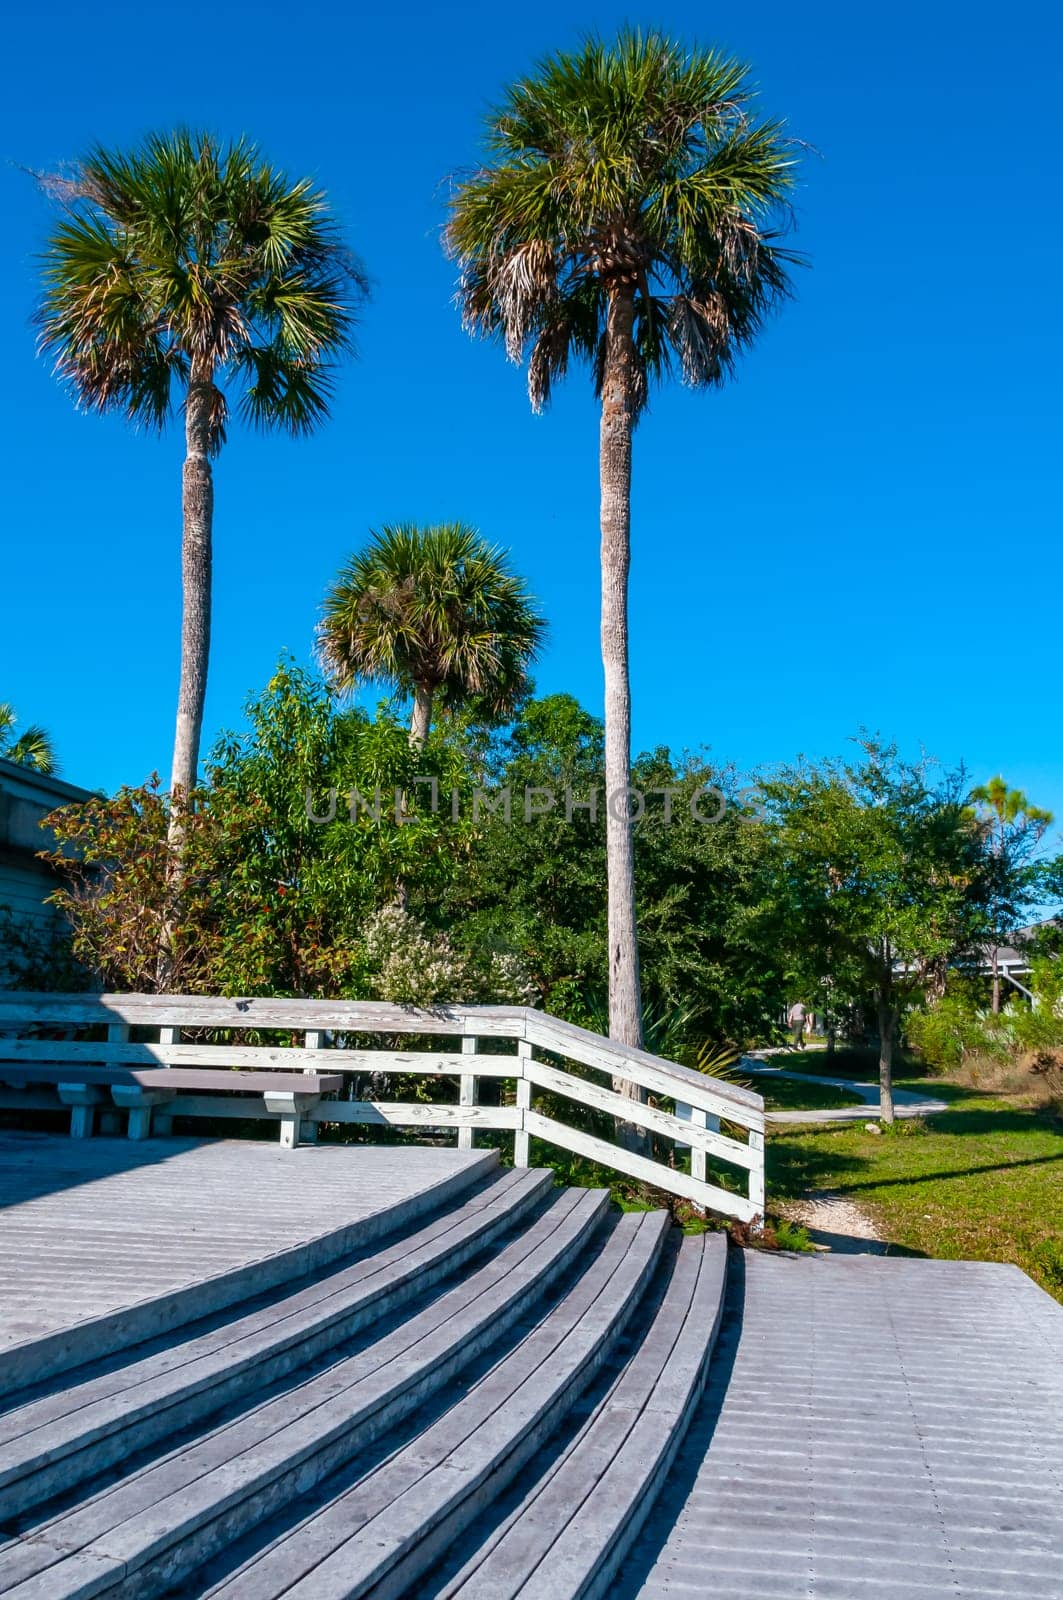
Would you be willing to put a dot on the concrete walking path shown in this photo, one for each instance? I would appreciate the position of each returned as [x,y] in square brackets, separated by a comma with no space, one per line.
[906,1103]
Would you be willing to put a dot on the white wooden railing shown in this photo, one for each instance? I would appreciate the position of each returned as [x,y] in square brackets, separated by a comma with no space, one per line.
[711,1153]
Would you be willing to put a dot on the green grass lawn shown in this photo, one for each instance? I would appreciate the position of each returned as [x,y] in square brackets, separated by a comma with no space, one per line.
[982,1181]
[851,1062]
[784,1094]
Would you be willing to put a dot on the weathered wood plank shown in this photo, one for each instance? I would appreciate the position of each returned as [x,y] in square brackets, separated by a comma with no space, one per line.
[262,1057]
[692,1133]
[403,1114]
[209,1011]
[467,1091]
[610,1155]
[649,1071]
[756,1176]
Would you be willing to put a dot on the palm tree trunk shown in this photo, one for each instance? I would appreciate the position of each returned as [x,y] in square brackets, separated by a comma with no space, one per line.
[421,721]
[617,422]
[197,505]
[197,508]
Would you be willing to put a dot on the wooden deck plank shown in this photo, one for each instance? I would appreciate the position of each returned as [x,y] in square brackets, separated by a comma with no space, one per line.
[872,1425]
[100,1228]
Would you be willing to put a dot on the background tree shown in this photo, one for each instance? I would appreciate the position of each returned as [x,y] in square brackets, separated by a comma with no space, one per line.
[32,747]
[624,215]
[1015,829]
[434,613]
[882,879]
[191,273]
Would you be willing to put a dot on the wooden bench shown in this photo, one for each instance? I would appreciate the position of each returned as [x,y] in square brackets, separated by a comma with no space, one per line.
[144,1080]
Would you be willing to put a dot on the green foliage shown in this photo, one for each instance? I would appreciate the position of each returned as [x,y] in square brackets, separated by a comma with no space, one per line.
[432,609]
[791,1236]
[535,882]
[699,883]
[33,747]
[188,260]
[883,878]
[271,900]
[950,1028]
[636,167]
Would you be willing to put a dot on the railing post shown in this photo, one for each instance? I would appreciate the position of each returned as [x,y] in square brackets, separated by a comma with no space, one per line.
[109,1121]
[312,1041]
[160,1124]
[520,1138]
[467,1092]
[756,1173]
[698,1119]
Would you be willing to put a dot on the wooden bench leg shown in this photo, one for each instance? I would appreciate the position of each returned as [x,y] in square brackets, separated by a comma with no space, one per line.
[82,1098]
[290,1108]
[139,1103]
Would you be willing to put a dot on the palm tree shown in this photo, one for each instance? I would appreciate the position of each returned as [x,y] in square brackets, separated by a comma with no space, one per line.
[32,748]
[1013,828]
[191,273]
[624,216]
[436,614]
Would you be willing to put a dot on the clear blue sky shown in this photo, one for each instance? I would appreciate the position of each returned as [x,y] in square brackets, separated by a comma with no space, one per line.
[863,529]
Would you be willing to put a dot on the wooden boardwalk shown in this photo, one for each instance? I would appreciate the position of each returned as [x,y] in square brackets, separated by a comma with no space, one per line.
[95,1230]
[235,1372]
[872,1429]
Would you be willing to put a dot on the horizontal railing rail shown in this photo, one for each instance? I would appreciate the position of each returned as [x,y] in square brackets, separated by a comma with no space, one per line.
[691,1121]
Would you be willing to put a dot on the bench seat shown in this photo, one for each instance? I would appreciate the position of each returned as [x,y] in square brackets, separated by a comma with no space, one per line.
[140,1090]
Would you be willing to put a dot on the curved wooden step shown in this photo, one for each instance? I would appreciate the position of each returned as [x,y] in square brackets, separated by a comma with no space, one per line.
[379,1536]
[569,1534]
[60,1439]
[139,1537]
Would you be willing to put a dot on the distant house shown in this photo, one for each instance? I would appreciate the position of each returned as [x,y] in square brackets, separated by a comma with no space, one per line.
[26,798]
[1011,962]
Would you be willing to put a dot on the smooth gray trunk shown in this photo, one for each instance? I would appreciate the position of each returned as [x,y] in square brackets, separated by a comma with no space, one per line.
[421,720]
[197,505]
[617,422]
[197,511]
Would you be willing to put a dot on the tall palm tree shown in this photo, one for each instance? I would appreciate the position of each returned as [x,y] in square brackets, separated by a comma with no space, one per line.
[187,272]
[33,747]
[626,214]
[436,614]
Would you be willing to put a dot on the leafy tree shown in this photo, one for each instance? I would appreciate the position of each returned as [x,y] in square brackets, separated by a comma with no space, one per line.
[296,839]
[624,215]
[33,747]
[532,878]
[191,273]
[883,879]
[1014,829]
[703,864]
[533,881]
[433,613]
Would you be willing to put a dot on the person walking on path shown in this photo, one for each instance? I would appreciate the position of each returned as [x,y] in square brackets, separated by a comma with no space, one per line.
[796,1021]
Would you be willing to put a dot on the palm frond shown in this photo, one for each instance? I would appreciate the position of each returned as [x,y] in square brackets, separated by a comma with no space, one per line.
[188,252]
[434,608]
[638,164]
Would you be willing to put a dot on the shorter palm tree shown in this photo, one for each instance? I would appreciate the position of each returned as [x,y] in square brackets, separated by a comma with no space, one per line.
[31,748]
[436,614]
